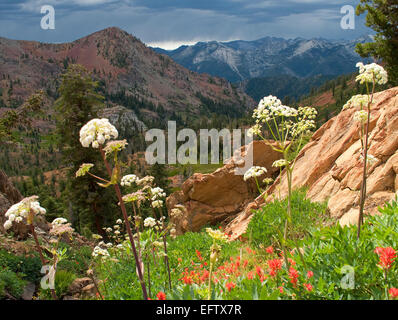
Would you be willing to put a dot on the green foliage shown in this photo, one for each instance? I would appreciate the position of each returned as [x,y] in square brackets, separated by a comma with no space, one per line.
[78,103]
[284,87]
[329,250]
[382,16]
[10,283]
[63,279]
[28,267]
[269,221]
[19,118]
[158,171]
[121,273]
[77,261]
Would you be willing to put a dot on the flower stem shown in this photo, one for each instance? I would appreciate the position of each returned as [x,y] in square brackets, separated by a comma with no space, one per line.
[128,228]
[43,261]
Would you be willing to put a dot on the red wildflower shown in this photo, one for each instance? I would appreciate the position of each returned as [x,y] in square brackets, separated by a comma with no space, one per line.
[229,286]
[204,276]
[274,266]
[387,256]
[259,271]
[270,250]
[161,295]
[393,293]
[281,289]
[308,286]
[187,280]
[310,274]
[293,275]
[291,261]
[250,275]
[245,263]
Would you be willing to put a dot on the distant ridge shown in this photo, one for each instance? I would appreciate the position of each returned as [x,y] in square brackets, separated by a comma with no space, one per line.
[269,56]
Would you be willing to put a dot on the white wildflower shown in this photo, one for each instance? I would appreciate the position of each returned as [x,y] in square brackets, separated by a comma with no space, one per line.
[98,251]
[145,181]
[361,116]
[255,171]
[371,72]
[25,209]
[157,204]
[359,100]
[128,180]
[149,222]
[59,221]
[96,132]
[280,163]
[157,193]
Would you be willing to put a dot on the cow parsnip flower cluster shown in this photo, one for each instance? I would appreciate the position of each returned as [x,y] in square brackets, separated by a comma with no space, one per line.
[20,211]
[96,132]
[59,221]
[60,226]
[138,196]
[371,72]
[177,212]
[270,108]
[115,146]
[128,180]
[254,172]
[280,163]
[281,120]
[149,222]
[100,252]
[359,100]
[157,203]
[361,116]
[157,193]
[145,181]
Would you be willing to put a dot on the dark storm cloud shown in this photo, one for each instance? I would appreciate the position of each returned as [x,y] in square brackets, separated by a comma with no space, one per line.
[158,21]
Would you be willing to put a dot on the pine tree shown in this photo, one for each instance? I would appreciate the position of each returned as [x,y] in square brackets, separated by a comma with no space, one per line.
[78,103]
[382,16]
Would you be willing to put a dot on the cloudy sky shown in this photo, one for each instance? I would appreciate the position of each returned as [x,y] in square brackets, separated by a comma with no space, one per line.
[170,23]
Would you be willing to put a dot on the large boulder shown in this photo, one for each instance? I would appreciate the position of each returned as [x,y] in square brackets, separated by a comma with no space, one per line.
[219,196]
[331,167]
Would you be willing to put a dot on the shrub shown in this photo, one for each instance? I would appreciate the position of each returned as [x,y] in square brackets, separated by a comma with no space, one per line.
[63,279]
[11,283]
[29,267]
[269,221]
[335,255]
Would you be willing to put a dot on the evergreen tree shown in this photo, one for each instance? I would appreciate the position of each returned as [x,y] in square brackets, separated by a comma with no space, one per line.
[78,103]
[158,171]
[382,16]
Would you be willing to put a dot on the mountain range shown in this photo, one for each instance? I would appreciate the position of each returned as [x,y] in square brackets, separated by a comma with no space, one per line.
[241,60]
[129,73]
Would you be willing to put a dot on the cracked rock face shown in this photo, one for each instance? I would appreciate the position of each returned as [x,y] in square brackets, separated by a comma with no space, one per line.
[219,196]
[331,167]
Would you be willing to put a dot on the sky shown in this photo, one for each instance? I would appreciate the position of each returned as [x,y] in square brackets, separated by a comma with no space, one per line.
[171,23]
